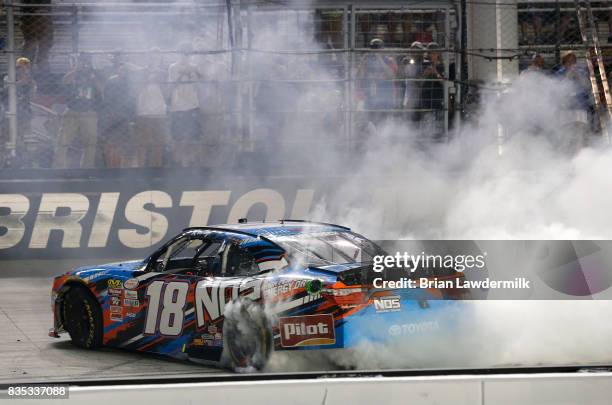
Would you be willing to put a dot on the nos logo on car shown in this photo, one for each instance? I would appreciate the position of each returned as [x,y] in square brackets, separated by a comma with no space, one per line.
[389,303]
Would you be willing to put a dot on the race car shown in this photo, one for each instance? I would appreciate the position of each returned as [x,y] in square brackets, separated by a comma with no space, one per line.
[229,295]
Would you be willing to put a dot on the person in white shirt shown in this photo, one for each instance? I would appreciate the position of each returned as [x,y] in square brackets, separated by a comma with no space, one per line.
[183,77]
[151,112]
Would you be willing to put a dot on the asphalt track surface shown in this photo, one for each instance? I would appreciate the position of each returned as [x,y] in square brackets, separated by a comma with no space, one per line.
[27,353]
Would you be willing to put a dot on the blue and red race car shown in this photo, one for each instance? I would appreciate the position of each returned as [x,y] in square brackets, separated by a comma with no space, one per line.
[231,294]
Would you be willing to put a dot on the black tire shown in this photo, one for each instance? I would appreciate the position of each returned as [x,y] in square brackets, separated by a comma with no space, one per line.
[82,317]
[247,336]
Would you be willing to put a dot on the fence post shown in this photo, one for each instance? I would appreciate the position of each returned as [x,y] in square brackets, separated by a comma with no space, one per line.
[74,28]
[11,145]
[346,76]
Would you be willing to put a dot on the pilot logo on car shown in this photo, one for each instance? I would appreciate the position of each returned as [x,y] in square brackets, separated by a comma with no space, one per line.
[308,330]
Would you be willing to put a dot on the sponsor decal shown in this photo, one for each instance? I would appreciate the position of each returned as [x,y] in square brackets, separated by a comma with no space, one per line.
[218,336]
[413,328]
[130,284]
[130,315]
[198,342]
[114,291]
[93,277]
[133,295]
[131,303]
[389,303]
[116,309]
[212,329]
[211,298]
[116,317]
[207,336]
[114,284]
[307,330]
[281,287]
[115,300]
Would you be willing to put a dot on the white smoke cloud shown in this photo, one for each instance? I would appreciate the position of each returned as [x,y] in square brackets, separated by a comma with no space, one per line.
[538,188]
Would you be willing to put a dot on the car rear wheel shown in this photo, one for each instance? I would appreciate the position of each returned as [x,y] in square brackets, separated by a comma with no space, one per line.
[247,336]
[82,318]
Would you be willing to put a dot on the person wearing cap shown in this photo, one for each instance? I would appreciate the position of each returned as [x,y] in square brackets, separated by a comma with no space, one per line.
[26,87]
[575,119]
[432,92]
[117,114]
[411,69]
[80,121]
[376,73]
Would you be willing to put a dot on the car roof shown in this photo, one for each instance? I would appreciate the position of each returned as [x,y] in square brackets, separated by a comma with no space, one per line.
[281,227]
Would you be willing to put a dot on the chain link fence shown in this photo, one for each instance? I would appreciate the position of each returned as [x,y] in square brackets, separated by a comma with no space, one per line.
[567,40]
[118,85]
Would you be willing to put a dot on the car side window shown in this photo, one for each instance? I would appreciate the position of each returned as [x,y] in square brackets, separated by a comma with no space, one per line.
[180,254]
[208,260]
[237,261]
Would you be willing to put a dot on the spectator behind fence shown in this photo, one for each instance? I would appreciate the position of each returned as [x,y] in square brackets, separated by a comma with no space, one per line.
[411,68]
[432,91]
[118,61]
[184,108]
[25,89]
[531,21]
[116,117]
[578,104]
[536,66]
[80,121]
[151,110]
[376,73]
[570,71]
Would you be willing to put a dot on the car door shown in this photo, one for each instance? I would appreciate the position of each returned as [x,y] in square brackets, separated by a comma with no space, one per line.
[165,296]
[185,295]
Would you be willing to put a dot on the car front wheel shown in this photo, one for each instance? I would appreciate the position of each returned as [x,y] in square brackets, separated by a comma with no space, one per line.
[82,318]
[247,336]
